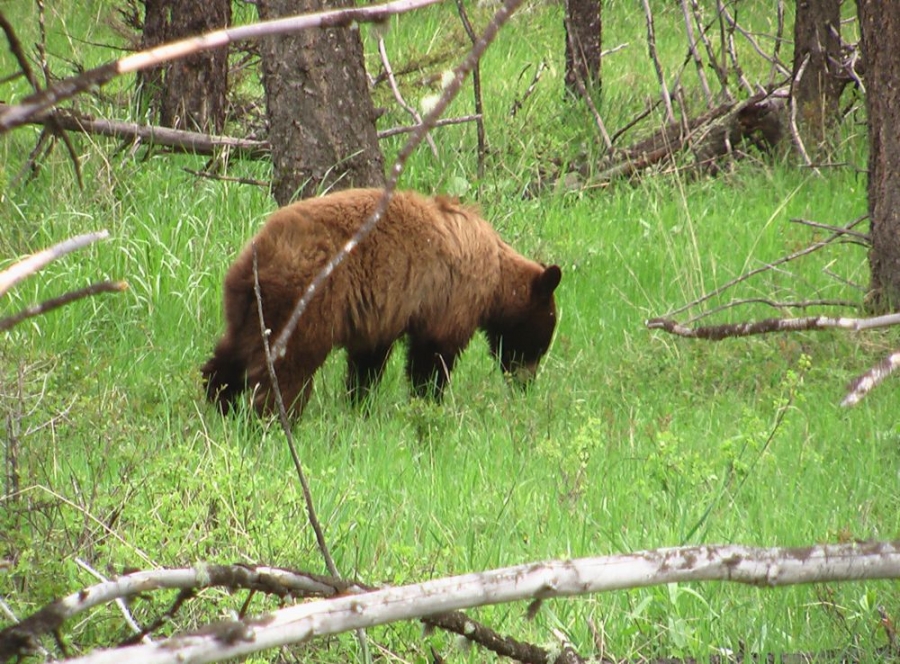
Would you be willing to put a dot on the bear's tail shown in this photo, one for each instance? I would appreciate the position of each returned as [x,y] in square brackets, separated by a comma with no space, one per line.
[224,375]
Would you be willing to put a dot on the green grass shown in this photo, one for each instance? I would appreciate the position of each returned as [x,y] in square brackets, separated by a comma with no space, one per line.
[628,440]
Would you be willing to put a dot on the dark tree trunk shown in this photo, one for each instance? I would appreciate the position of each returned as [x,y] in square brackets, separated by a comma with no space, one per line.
[189,93]
[320,113]
[817,43]
[583,31]
[880,31]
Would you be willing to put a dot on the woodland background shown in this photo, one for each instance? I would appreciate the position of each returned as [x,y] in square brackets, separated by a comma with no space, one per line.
[631,439]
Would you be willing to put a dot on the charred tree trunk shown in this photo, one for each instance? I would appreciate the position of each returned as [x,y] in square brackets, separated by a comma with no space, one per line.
[189,93]
[320,113]
[583,30]
[880,31]
[817,86]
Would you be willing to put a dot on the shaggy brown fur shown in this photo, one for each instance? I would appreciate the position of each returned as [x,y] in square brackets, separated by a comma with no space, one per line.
[431,270]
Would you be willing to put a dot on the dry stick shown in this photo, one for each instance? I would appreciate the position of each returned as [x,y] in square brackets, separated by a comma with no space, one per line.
[865,237]
[846,304]
[393,131]
[756,47]
[864,384]
[784,259]
[300,623]
[692,47]
[28,266]
[779,34]
[721,72]
[38,102]
[768,325]
[582,88]
[795,132]
[286,425]
[289,437]
[123,608]
[382,50]
[731,50]
[519,103]
[16,47]
[476,91]
[450,91]
[651,47]
[33,310]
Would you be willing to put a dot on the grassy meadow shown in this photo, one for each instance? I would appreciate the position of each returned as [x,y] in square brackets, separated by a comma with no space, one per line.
[628,440]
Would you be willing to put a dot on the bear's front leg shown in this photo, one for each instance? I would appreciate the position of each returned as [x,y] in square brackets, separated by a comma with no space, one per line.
[364,371]
[428,365]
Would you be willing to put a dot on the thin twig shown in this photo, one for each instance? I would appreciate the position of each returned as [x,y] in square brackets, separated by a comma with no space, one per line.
[805,304]
[289,437]
[865,237]
[450,91]
[695,55]
[265,333]
[721,71]
[443,122]
[28,266]
[651,47]
[795,132]
[519,103]
[756,47]
[123,609]
[779,35]
[386,63]
[784,259]
[33,310]
[476,91]
[582,88]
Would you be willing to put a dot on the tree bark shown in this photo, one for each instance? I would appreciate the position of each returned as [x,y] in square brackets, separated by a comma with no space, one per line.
[880,32]
[320,113]
[189,93]
[583,31]
[817,44]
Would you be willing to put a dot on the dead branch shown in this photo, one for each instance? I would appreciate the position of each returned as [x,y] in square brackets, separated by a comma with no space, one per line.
[12,275]
[519,103]
[768,266]
[769,325]
[695,54]
[536,581]
[804,304]
[386,63]
[864,384]
[661,78]
[38,102]
[54,303]
[582,88]
[476,90]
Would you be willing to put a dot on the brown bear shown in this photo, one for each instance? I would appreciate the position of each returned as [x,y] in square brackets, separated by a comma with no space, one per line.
[431,270]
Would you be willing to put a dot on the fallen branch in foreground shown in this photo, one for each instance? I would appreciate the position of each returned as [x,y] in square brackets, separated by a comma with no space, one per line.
[532,582]
[769,325]
[28,266]
[857,389]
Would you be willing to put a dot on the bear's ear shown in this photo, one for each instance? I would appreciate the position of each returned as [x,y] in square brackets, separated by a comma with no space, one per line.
[547,281]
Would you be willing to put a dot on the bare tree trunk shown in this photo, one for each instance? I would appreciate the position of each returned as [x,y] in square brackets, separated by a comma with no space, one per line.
[583,31]
[880,31]
[816,89]
[321,118]
[189,93]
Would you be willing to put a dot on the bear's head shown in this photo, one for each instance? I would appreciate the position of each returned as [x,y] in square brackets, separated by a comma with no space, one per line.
[521,335]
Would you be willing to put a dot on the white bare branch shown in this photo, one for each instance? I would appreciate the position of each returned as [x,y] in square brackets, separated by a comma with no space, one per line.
[28,266]
[860,387]
[755,566]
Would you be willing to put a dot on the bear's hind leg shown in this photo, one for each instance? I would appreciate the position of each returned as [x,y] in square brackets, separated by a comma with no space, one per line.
[364,371]
[428,365]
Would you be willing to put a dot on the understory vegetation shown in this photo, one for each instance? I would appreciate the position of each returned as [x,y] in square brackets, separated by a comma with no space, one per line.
[628,440]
